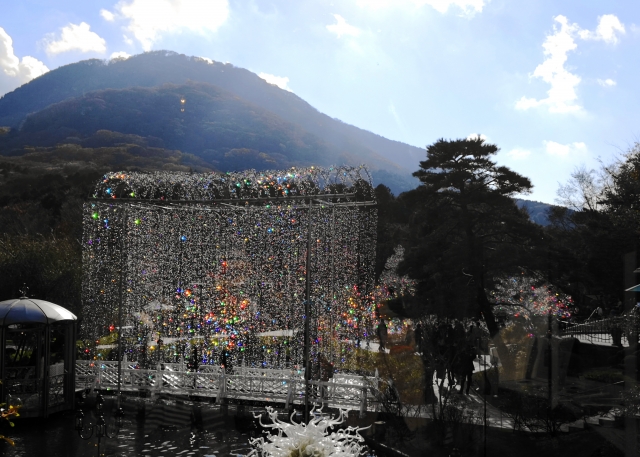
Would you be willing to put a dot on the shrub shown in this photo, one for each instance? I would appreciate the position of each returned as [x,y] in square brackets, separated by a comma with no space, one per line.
[606,375]
[532,413]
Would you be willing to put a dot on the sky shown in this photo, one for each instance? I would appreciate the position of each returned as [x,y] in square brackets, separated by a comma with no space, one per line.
[551,82]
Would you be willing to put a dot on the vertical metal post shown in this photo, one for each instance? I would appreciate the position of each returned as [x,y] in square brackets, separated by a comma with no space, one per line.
[484,396]
[70,364]
[45,359]
[3,362]
[307,312]
[39,379]
[550,362]
[631,362]
[333,246]
[122,257]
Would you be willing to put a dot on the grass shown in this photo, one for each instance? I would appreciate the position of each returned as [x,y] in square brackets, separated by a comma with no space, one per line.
[605,375]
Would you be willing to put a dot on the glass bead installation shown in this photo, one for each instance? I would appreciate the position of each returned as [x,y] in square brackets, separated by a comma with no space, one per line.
[211,266]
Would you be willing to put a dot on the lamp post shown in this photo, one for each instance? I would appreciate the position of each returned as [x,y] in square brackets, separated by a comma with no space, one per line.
[307,312]
[550,359]
[120,298]
[99,429]
[484,400]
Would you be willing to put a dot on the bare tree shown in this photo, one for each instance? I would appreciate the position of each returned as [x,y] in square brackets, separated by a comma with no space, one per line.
[584,189]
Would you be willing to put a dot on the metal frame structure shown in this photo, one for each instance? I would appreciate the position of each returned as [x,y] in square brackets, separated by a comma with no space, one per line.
[40,388]
[315,213]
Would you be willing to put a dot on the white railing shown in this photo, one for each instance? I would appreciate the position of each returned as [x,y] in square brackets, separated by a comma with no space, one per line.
[283,386]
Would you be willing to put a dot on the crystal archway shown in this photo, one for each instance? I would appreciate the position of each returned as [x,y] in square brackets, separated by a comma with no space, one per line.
[211,267]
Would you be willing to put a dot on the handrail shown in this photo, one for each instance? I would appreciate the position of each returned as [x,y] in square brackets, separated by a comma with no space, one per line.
[349,390]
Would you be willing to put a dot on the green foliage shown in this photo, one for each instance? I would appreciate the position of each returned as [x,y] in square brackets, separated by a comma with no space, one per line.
[243,135]
[531,413]
[620,199]
[605,375]
[465,227]
[590,242]
[392,220]
[6,413]
[396,182]
[631,402]
[49,266]
[515,333]
[40,230]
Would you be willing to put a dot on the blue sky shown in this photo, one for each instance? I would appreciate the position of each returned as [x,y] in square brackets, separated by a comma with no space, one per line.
[551,82]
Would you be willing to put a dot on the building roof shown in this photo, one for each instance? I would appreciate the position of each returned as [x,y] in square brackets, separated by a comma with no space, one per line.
[25,310]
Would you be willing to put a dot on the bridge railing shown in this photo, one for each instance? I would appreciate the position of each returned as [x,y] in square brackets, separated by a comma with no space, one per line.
[270,373]
[592,327]
[285,386]
[612,330]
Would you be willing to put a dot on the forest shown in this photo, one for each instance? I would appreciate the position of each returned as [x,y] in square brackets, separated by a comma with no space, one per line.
[463,232]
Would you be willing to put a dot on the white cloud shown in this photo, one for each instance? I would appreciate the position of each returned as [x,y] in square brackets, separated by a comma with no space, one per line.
[76,37]
[473,136]
[562,96]
[119,55]
[127,40]
[608,26]
[281,81]
[342,28]
[442,6]
[150,19]
[606,82]
[107,15]
[13,71]
[519,154]
[396,116]
[564,150]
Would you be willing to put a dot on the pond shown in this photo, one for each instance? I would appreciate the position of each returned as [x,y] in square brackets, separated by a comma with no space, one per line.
[151,428]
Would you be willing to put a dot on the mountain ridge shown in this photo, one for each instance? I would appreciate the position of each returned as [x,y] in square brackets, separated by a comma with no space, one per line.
[158,67]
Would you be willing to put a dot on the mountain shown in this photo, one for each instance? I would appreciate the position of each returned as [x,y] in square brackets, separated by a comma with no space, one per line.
[80,80]
[538,211]
[225,131]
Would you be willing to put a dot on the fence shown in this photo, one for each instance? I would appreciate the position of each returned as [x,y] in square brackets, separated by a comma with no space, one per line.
[616,330]
[274,386]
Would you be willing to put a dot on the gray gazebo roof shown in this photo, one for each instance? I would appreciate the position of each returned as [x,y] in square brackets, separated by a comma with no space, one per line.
[25,310]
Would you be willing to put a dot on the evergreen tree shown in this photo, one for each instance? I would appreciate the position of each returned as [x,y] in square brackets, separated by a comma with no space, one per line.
[466,229]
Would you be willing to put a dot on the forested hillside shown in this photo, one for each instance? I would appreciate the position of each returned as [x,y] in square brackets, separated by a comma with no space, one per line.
[198,118]
[160,67]
[538,211]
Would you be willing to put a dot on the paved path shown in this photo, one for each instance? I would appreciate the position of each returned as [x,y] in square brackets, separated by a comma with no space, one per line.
[601,339]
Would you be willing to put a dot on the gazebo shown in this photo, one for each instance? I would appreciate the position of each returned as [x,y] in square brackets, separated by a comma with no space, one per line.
[37,340]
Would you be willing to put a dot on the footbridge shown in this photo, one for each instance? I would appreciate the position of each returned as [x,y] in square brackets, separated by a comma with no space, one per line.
[613,331]
[285,386]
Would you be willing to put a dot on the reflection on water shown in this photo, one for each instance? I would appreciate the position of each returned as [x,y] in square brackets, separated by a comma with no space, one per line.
[151,428]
